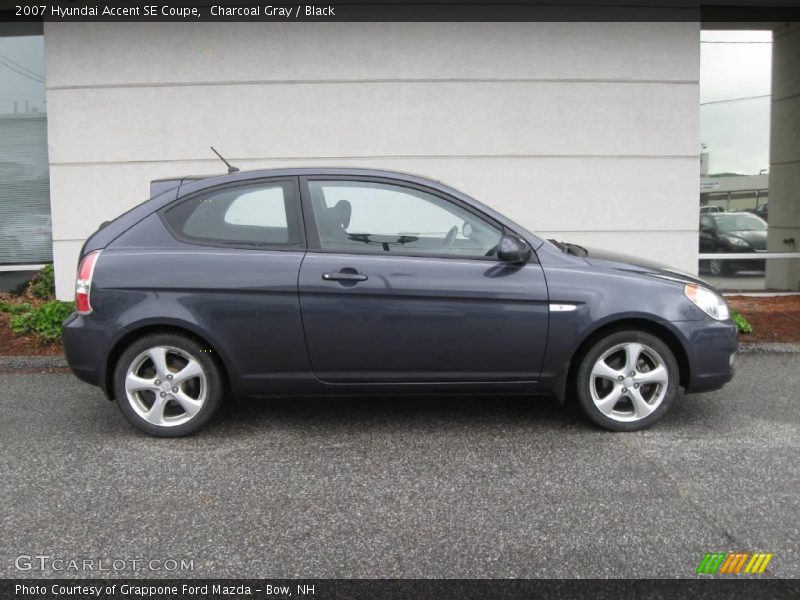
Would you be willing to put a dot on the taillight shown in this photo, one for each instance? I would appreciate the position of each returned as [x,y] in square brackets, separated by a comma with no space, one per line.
[83,285]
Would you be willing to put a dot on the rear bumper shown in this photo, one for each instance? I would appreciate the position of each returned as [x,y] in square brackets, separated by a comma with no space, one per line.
[711,348]
[88,341]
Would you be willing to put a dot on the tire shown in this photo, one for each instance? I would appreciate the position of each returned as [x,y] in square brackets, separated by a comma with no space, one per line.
[719,268]
[641,400]
[168,401]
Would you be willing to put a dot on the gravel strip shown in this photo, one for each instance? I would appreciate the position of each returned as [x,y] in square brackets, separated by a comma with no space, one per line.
[769,348]
[32,362]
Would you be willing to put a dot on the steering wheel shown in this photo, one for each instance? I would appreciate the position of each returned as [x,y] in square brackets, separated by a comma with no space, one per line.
[450,237]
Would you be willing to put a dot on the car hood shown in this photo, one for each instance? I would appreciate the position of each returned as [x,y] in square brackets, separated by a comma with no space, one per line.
[757,239]
[625,262]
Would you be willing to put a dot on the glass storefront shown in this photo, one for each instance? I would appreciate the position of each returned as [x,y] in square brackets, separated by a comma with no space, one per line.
[25,226]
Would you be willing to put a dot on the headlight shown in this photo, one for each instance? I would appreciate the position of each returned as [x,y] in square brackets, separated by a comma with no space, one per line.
[736,241]
[710,303]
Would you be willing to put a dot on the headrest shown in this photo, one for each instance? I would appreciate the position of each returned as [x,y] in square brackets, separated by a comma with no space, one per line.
[340,213]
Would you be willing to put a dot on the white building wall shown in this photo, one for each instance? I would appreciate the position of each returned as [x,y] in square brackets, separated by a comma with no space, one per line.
[587,132]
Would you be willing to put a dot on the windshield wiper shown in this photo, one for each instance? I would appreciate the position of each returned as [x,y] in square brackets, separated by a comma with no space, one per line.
[577,250]
[568,248]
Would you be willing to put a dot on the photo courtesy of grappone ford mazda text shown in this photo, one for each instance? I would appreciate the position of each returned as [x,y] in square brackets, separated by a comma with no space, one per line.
[344,281]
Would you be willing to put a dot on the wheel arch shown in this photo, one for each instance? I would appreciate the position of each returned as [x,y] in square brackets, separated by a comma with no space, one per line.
[656,328]
[148,328]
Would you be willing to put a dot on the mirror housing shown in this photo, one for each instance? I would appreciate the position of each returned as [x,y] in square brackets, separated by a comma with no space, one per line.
[513,249]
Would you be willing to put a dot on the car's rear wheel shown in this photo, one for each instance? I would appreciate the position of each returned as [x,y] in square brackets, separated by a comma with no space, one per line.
[167,385]
[627,380]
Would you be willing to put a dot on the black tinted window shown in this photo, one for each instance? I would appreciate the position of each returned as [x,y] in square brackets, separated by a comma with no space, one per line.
[264,214]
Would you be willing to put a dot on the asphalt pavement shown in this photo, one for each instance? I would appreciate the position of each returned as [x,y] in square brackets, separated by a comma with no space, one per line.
[403,487]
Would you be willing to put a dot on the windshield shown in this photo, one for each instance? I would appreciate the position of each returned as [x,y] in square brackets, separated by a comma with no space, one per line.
[729,223]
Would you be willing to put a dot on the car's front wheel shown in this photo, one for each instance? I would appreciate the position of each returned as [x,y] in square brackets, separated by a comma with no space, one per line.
[719,267]
[167,385]
[627,380]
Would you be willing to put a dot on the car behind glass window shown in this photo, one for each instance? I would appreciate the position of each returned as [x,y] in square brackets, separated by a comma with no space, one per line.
[383,218]
[262,214]
[731,222]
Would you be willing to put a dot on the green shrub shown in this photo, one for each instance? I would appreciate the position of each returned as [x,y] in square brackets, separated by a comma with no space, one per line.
[23,322]
[49,319]
[14,309]
[43,284]
[43,321]
[742,323]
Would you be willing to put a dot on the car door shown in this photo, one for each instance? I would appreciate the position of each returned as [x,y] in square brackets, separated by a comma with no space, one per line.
[401,284]
[707,234]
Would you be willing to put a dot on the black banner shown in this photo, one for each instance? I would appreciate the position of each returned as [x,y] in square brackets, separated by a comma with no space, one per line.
[411,589]
[399,10]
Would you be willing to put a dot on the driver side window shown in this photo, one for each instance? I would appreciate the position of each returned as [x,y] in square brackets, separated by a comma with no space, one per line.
[355,216]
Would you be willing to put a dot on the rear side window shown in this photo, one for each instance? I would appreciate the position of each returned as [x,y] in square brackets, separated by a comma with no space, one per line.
[265,214]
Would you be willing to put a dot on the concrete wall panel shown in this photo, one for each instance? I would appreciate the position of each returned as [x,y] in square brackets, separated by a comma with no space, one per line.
[586,131]
[373,119]
[127,53]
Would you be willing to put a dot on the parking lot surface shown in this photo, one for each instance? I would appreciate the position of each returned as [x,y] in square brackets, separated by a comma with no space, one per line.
[405,487]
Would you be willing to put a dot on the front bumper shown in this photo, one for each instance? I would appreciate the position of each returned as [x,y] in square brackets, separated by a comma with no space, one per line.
[749,265]
[711,349]
[88,341]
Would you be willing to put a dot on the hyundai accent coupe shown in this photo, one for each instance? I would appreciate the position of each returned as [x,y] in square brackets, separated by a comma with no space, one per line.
[355,281]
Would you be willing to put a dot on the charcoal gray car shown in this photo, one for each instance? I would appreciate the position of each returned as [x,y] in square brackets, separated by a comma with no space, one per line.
[355,281]
[739,232]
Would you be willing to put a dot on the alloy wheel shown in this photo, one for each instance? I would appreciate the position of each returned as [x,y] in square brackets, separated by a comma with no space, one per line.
[166,386]
[628,382]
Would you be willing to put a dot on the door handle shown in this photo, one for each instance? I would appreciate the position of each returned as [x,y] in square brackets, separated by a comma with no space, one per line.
[344,276]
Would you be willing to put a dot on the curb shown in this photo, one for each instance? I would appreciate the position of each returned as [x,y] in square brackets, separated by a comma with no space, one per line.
[769,348]
[33,362]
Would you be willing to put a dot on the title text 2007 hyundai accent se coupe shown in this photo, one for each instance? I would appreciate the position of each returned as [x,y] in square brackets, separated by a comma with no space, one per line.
[344,281]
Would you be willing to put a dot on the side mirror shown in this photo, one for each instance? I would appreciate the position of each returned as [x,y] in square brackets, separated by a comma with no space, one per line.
[706,228]
[513,249]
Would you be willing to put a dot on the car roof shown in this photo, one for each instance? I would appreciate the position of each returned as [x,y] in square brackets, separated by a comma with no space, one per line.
[299,171]
[191,185]
[302,171]
[195,182]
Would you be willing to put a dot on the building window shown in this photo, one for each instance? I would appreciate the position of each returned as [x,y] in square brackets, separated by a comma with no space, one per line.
[25,227]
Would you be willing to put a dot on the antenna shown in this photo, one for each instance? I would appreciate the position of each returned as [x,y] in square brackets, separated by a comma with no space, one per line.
[231,168]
